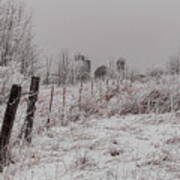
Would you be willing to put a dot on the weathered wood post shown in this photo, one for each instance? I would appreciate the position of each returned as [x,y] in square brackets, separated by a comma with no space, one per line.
[80,95]
[33,95]
[63,110]
[64,97]
[50,105]
[92,87]
[7,125]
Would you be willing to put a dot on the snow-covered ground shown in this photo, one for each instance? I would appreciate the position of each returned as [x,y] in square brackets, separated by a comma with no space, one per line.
[131,147]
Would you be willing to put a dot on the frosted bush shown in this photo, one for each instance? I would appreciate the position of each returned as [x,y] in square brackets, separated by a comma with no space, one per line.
[154,96]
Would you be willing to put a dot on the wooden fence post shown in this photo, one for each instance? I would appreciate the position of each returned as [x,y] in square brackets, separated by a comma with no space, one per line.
[63,111]
[64,97]
[33,95]
[7,125]
[50,105]
[80,95]
[92,87]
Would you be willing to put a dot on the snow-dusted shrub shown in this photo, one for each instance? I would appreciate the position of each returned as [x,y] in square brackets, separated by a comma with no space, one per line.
[160,96]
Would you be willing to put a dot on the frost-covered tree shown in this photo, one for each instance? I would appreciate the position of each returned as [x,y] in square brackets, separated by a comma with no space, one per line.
[48,70]
[121,64]
[173,66]
[63,68]
[70,70]
[121,68]
[83,67]
[101,72]
[16,37]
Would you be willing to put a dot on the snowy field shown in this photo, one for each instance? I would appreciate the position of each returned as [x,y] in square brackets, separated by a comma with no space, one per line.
[111,118]
[99,147]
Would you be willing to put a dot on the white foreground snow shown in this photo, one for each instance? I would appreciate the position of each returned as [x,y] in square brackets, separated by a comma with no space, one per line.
[133,147]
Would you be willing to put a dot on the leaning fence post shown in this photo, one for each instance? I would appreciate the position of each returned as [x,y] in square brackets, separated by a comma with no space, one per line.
[7,125]
[33,95]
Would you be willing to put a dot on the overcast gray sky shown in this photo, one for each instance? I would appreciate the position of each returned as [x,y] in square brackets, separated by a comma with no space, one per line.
[146,32]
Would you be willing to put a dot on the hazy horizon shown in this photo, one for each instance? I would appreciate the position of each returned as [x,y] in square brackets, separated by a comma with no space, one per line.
[144,32]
